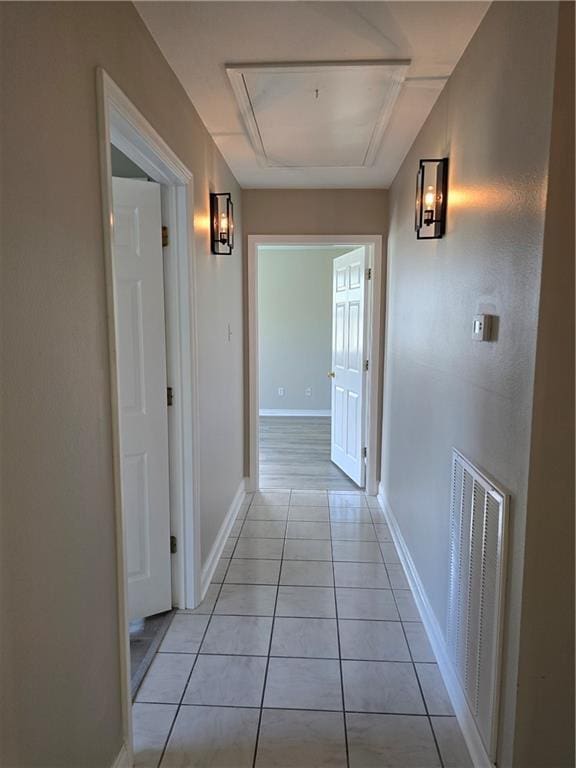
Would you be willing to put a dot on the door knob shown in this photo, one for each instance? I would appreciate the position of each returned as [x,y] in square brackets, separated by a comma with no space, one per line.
[332,374]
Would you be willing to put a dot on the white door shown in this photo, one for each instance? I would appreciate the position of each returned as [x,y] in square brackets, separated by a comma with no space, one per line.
[141,355]
[348,299]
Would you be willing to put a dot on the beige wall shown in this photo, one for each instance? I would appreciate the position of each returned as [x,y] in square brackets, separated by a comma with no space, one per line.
[59,631]
[545,718]
[493,120]
[313,212]
[295,327]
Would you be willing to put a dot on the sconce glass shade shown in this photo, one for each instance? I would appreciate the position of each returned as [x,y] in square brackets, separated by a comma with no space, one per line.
[431,199]
[221,223]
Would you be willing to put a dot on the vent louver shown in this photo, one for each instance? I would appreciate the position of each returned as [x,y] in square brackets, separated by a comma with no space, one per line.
[478,525]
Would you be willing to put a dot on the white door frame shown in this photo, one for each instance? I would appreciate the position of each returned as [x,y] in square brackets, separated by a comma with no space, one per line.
[373,244]
[121,124]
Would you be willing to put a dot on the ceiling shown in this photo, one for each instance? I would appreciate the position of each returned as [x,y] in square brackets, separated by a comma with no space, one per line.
[352,84]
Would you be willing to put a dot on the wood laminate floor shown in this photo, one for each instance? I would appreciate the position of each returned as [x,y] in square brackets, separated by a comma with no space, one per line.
[295,453]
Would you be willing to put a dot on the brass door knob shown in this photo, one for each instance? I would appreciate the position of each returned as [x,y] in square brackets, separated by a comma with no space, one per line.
[332,374]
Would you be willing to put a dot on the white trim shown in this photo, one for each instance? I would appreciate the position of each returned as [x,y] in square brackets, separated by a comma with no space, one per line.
[123,759]
[291,412]
[480,758]
[373,244]
[119,122]
[216,550]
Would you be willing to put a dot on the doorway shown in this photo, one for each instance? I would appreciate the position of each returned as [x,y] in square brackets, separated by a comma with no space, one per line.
[140,322]
[314,421]
[148,242]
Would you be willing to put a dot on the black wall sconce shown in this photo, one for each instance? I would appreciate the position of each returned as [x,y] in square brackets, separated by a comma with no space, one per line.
[431,199]
[221,223]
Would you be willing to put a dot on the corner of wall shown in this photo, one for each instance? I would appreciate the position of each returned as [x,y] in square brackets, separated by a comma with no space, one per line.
[546,664]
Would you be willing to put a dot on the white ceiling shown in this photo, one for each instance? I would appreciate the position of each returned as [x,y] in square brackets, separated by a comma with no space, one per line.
[199,39]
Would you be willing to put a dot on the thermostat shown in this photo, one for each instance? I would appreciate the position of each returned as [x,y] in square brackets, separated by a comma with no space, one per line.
[482,327]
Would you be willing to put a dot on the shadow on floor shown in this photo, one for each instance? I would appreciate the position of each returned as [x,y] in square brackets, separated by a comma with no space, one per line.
[145,638]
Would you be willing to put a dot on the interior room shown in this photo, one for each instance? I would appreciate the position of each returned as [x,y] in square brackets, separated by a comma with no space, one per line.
[296,350]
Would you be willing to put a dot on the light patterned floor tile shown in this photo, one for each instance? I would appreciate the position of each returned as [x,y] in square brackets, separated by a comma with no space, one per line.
[184,634]
[166,679]
[381,686]
[301,739]
[247,635]
[314,638]
[393,741]
[252,571]
[212,737]
[303,684]
[227,681]
[373,640]
[434,690]
[451,743]
[151,725]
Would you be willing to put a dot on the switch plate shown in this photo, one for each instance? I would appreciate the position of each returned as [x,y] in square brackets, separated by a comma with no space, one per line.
[482,327]
[308,392]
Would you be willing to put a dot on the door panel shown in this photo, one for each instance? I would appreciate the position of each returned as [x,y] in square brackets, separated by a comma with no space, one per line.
[137,514]
[352,426]
[141,345]
[354,341]
[340,336]
[348,332]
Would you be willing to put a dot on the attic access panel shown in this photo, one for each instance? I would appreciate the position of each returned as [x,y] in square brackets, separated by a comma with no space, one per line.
[322,114]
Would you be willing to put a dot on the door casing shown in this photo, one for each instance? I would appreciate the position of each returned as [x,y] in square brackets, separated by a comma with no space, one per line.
[374,346]
[120,123]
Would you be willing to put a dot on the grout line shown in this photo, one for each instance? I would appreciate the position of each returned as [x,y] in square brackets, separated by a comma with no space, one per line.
[301,709]
[416,674]
[284,656]
[188,679]
[269,650]
[340,658]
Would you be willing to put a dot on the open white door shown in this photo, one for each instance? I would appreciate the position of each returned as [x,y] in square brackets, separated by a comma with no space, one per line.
[348,292]
[141,355]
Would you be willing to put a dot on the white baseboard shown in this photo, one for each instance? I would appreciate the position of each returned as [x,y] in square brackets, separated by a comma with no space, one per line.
[474,743]
[216,551]
[123,759]
[291,412]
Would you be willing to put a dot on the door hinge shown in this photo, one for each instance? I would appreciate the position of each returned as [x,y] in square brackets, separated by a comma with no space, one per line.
[169,396]
[165,239]
[173,545]
[366,364]
[369,273]
[364,452]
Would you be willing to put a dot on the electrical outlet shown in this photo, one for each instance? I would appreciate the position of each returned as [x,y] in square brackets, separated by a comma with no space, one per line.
[308,392]
[281,391]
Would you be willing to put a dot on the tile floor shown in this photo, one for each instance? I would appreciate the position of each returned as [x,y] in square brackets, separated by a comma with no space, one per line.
[307,651]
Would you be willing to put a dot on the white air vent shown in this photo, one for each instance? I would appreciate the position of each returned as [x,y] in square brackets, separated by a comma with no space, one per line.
[329,114]
[477,579]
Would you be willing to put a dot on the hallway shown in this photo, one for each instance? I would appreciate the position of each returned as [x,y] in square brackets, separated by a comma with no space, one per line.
[307,651]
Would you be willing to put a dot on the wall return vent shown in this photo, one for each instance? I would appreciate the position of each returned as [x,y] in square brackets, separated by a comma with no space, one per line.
[478,526]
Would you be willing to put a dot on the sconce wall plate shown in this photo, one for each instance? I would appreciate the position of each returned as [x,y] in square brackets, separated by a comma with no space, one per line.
[431,199]
[221,223]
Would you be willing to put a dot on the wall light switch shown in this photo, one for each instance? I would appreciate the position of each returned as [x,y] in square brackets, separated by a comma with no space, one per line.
[281,391]
[482,327]
[308,392]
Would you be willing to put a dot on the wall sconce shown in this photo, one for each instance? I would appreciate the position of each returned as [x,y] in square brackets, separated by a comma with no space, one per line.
[221,223]
[431,199]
